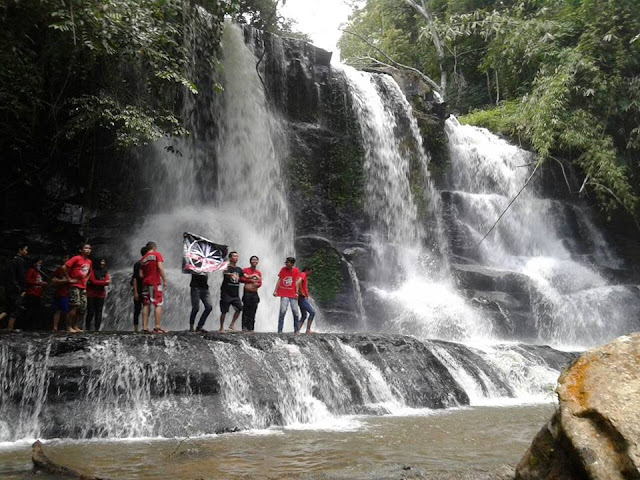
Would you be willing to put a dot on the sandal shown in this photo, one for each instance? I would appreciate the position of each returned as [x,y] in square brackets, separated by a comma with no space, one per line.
[159,330]
[145,330]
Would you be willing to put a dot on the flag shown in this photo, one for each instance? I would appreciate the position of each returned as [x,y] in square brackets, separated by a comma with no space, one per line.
[200,255]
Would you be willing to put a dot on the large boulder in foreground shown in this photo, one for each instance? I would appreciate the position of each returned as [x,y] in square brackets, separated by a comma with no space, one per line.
[595,434]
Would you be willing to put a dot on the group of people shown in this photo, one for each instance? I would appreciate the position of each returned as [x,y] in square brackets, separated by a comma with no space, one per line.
[80,290]
[149,282]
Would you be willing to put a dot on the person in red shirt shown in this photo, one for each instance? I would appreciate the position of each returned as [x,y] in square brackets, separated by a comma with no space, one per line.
[252,280]
[33,295]
[77,270]
[60,304]
[287,290]
[96,294]
[303,299]
[154,284]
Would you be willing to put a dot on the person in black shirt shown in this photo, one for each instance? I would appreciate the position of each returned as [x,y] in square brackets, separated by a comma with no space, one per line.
[230,291]
[199,292]
[15,285]
[136,285]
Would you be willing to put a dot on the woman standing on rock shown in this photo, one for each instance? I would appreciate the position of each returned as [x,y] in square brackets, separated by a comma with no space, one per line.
[97,294]
[33,295]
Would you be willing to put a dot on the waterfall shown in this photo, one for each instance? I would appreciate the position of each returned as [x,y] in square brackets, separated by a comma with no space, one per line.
[411,277]
[224,182]
[132,386]
[357,292]
[552,248]
[24,382]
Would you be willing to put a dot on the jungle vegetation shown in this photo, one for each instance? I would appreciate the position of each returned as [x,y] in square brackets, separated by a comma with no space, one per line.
[562,77]
[87,78]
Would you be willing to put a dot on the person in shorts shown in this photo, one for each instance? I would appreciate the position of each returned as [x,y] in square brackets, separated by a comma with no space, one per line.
[154,284]
[60,304]
[77,269]
[230,291]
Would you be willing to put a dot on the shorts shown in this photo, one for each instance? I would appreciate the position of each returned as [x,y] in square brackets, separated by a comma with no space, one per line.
[60,304]
[13,304]
[78,299]
[226,302]
[152,295]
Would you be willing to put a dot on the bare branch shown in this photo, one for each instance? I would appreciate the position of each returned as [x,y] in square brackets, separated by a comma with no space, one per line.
[423,10]
[395,64]
[564,174]
[584,183]
[510,203]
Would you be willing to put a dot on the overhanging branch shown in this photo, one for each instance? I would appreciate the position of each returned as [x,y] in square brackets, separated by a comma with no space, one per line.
[395,64]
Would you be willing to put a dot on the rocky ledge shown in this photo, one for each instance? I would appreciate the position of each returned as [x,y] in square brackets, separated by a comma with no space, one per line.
[185,384]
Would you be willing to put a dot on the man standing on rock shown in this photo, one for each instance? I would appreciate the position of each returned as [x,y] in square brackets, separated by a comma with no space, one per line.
[154,284]
[15,285]
[77,270]
[230,291]
[199,292]
[287,290]
[136,288]
[303,299]
[250,299]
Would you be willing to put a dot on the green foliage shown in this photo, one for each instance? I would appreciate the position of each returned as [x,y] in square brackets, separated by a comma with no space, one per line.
[75,70]
[326,281]
[565,76]
[502,119]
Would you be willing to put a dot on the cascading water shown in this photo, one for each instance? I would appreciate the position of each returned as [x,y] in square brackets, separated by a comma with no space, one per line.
[246,208]
[421,297]
[572,304]
[412,274]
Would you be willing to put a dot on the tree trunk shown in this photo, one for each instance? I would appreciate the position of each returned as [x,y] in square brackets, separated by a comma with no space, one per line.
[43,463]
[423,10]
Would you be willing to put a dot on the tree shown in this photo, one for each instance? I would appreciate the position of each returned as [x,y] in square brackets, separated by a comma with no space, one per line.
[565,75]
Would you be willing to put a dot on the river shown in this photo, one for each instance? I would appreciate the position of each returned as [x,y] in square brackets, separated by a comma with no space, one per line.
[470,442]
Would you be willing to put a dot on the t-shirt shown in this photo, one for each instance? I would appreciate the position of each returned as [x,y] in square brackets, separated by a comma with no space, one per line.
[149,268]
[136,277]
[78,268]
[199,281]
[304,285]
[249,272]
[15,275]
[62,290]
[33,279]
[287,282]
[231,281]
[98,281]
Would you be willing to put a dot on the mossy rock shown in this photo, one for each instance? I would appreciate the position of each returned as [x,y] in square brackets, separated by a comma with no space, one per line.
[326,280]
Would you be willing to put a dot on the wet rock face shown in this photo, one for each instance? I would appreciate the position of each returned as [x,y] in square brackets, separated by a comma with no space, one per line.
[596,432]
[123,385]
[115,385]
